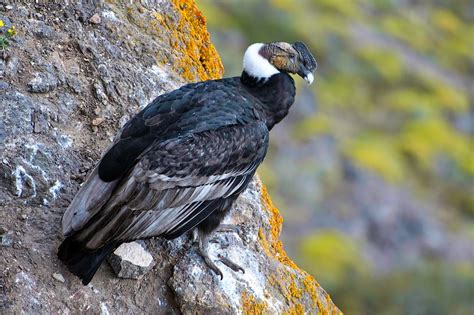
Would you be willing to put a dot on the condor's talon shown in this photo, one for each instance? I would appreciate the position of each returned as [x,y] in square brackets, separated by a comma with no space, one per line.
[230,264]
[211,264]
[203,247]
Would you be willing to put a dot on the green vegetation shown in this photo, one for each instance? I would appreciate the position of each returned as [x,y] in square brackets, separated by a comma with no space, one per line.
[5,35]
[332,257]
[335,259]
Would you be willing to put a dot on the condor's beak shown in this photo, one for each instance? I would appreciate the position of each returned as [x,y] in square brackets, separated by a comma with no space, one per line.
[309,78]
[306,74]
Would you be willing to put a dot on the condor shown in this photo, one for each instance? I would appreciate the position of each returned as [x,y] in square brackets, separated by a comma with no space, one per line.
[180,163]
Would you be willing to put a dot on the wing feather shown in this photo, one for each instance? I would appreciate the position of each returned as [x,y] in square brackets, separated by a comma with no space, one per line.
[177,185]
[90,198]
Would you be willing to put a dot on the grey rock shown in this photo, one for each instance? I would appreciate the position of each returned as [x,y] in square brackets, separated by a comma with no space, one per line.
[113,50]
[42,83]
[99,92]
[3,85]
[3,132]
[2,67]
[44,31]
[131,260]
[6,239]
[74,84]
[138,97]
[12,65]
[40,122]
[16,113]
[67,102]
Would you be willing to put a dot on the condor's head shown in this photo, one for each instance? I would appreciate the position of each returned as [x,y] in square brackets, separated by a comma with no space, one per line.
[261,61]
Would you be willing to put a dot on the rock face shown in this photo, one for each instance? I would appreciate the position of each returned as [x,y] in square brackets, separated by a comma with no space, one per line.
[71,77]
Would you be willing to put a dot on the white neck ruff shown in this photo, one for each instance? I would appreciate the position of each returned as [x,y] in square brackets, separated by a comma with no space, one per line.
[257,66]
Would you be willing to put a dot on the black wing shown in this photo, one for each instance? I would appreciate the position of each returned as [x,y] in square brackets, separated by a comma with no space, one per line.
[178,183]
[191,109]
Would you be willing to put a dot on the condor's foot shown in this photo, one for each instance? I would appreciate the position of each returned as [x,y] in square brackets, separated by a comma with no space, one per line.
[203,248]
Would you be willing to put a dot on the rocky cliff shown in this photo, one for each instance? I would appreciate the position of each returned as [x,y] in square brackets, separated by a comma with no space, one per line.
[70,77]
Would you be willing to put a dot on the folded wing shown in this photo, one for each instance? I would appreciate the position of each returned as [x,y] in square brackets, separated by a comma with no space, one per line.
[177,183]
[169,116]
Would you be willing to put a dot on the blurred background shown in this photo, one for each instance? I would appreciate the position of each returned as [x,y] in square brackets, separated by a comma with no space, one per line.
[373,169]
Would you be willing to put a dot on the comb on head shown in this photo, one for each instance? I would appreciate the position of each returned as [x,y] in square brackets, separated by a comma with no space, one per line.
[308,59]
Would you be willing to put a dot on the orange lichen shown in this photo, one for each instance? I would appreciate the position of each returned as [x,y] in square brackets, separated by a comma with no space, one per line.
[190,52]
[276,222]
[251,306]
[192,40]
[295,285]
[295,309]
[291,288]
[294,290]
[310,285]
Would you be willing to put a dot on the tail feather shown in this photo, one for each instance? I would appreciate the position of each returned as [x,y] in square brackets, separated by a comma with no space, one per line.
[81,261]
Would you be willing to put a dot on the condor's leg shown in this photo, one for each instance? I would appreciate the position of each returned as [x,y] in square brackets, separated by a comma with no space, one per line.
[203,248]
[202,235]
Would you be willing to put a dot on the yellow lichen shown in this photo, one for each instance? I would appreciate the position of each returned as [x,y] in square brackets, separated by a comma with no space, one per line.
[251,306]
[296,285]
[192,40]
[310,285]
[274,245]
[295,309]
[190,52]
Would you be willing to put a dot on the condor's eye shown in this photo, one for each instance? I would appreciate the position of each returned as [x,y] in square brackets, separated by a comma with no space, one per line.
[293,58]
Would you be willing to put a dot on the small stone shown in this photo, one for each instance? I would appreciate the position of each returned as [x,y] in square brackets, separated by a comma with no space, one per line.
[99,92]
[58,277]
[95,19]
[131,260]
[97,121]
[8,7]
[6,239]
